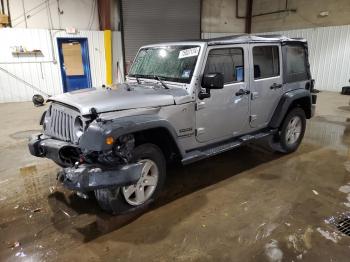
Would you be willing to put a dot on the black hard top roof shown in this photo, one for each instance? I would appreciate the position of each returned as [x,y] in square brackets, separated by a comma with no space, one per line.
[251,39]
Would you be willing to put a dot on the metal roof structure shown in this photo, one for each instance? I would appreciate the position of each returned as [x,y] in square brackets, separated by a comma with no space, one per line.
[251,39]
[234,39]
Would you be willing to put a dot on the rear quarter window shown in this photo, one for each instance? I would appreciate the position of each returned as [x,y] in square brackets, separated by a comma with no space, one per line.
[295,63]
[266,61]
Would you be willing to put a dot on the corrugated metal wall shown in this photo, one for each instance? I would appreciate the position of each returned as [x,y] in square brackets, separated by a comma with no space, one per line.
[329,49]
[158,21]
[42,71]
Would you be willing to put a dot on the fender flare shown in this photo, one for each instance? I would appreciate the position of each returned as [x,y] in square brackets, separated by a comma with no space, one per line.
[95,135]
[284,104]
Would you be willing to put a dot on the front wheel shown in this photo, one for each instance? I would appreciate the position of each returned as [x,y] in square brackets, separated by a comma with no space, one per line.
[292,130]
[131,198]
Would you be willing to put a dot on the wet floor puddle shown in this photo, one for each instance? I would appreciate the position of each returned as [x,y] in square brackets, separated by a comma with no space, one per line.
[25,134]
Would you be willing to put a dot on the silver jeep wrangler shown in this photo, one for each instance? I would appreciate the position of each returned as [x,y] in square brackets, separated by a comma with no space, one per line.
[183,101]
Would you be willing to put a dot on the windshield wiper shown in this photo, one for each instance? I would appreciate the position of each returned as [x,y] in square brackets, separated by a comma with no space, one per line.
[137,77]
[161,81]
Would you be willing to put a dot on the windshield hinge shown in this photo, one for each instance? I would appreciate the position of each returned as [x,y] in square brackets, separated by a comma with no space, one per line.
[199,105]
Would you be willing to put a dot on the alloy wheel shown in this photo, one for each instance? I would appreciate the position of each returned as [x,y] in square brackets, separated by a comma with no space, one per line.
[294,129]
[140,192]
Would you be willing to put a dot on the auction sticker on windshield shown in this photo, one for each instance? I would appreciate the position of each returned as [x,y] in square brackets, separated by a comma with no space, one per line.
[189,52]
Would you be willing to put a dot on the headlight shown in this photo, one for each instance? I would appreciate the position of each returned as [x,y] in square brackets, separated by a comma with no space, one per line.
[42,118]
[45,117]
[48,111]
[78,128]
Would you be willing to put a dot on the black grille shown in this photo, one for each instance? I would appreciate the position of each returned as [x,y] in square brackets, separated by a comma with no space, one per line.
[343,226]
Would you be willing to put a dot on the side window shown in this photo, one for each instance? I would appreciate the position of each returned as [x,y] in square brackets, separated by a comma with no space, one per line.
[228,61]
[296,69]
[266,61]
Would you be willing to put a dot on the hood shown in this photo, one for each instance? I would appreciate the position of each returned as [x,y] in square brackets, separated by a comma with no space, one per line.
[123,97]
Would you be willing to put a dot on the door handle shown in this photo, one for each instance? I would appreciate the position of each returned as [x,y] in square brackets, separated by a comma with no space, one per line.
[275,86]
[242,92]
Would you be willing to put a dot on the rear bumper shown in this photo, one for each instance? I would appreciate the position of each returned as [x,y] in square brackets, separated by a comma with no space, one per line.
[313,105]
[87,178]
[313,109]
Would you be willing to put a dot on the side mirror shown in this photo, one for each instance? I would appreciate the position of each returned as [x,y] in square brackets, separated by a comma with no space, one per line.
[213,81]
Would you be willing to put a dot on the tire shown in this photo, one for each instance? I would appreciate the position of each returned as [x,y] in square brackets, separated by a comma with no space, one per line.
[115,200]
[294,123]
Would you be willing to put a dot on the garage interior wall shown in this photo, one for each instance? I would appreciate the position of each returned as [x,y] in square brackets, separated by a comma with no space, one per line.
[329,53]
[117,58]
[54,14]
[219,16]
[328,45]
[308,14]
[42,71]
[328,34]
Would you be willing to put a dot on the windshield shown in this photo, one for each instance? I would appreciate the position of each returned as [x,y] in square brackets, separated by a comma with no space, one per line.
[170,63]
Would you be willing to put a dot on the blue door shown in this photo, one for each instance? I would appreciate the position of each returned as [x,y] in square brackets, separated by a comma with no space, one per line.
[74,62]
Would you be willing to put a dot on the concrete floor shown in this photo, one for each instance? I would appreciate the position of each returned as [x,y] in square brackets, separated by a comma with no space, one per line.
[244,205]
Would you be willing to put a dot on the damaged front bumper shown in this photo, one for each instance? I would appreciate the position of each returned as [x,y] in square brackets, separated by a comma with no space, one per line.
[82,177]
[87,177]
[43,146]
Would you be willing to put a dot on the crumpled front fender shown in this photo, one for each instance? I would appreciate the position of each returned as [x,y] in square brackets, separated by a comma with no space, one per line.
[95,136]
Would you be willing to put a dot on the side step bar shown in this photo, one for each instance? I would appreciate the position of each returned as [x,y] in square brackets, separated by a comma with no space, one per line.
[212,150]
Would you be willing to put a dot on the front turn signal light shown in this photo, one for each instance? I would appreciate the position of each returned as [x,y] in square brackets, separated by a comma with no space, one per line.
[109,140]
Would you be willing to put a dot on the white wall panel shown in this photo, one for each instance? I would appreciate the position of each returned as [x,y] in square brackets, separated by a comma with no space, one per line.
[81,14]
[329,49]
[42,72]
[118,65]
[96,54]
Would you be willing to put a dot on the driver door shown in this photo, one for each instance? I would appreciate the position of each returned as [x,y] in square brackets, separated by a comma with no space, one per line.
[226,112]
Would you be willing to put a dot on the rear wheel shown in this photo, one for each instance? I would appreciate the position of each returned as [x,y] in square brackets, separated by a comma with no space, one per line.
[292,131]
[131,198]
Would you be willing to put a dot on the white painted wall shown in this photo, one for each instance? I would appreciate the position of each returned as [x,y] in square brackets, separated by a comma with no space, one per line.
[117,53]
[42,72]
[329,49]
[54,14]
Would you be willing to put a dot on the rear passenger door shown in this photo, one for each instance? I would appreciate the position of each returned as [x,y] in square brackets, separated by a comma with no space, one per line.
[265,82]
